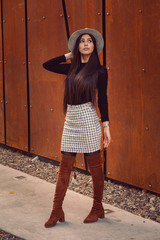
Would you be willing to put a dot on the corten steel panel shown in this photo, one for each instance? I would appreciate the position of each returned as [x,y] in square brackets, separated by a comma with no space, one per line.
[81,14]
[124,155]
[132,156]
[84,14]
[15,73]
[2,137]
[47,38]
[150,61]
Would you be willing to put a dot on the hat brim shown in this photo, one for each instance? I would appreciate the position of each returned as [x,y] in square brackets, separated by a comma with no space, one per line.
[93,32]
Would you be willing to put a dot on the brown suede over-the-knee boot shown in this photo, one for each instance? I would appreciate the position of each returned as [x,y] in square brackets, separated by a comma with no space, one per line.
[96,169]
[63,178]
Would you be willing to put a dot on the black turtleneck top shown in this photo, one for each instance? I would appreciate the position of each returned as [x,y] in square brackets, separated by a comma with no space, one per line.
[54,65]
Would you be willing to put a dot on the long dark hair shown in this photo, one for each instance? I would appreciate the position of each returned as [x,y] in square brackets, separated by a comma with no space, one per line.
[83,82]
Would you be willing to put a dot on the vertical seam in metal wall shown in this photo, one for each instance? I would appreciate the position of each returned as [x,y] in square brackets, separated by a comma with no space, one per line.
[104,62]
[85,161]
[65,18]
[27,75]
[3,72]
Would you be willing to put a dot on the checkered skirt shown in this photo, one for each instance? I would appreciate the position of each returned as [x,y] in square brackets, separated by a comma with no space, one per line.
[82,130]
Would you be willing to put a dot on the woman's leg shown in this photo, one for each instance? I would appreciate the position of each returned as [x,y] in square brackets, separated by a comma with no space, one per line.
[95,166]
[62,183]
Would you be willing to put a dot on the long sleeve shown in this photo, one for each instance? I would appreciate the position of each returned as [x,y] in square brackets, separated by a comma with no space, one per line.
[54,65]
[102,94]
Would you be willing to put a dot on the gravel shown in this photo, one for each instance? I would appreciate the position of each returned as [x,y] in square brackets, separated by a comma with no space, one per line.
[137,201]
[7,236]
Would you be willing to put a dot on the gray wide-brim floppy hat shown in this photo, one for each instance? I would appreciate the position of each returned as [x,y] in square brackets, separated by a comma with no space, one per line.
[93,32]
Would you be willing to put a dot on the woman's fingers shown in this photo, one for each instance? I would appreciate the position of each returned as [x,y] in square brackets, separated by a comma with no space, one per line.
[107,137]
[68,55]
[106,143]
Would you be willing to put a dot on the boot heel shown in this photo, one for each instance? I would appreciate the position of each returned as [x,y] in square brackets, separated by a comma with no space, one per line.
[62,218]
[101,214]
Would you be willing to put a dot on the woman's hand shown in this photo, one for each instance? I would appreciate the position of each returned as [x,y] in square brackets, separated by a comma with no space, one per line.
[106,137]
[68,55]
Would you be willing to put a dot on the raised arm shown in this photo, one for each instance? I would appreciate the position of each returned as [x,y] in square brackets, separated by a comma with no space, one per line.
[57,64]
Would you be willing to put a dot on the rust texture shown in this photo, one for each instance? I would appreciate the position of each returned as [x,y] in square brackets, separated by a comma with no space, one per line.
[15,74]
[46,39]
[132,39]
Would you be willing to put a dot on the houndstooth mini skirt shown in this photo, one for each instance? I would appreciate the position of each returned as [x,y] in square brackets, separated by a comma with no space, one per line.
[82,129]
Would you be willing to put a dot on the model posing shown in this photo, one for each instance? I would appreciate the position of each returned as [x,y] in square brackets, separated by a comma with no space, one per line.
[82,130]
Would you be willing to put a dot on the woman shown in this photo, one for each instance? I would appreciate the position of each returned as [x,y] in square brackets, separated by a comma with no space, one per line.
[82,130]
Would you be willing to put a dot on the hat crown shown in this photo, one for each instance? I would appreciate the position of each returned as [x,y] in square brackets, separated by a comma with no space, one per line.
[96,34]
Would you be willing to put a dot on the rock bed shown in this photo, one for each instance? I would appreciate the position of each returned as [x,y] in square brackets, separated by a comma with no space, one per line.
[7,236]
[137,201]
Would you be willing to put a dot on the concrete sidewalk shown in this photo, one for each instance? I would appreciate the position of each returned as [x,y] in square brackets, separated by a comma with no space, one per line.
[26,202]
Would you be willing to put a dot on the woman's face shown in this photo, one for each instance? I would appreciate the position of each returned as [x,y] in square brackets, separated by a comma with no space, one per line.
[86,45]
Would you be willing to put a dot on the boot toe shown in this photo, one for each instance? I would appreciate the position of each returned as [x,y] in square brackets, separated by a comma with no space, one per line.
[91,218]
[54,218]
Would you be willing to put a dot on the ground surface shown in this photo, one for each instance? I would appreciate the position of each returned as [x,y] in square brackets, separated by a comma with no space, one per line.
[131,199]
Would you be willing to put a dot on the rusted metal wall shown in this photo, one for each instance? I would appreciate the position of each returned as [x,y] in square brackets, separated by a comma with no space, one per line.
[133,43]
[15,74]
[150,59]
[37,31]
[89,16]
[46,39]
[2,137]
